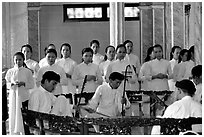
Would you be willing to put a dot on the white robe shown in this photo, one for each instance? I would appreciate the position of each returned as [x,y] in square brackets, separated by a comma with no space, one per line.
[17,95]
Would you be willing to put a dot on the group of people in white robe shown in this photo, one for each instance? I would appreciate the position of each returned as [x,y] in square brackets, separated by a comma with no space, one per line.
[33,85]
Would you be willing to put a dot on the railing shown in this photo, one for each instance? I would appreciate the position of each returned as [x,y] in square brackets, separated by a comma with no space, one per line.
[116,126]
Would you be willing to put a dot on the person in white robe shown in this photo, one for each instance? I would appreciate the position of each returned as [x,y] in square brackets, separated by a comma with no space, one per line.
[68,65]
[19,80]
[108,98]
[44,101]
[30,63]
[145,78]
[174,57]
[51,57]
[94,77]
[144,74]
[131,84]
[160,71]
[108,58]
[178,72]
[185,107]
[97,57]
[132,58]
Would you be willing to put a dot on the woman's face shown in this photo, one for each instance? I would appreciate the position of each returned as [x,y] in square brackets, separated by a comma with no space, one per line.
[95,48]
[158,53]
[18,60]
[51,57]
[121,53]
[176,53]
[184,57]
[87,57]
[27,53]
[110,53]
[65,51]
[129,47]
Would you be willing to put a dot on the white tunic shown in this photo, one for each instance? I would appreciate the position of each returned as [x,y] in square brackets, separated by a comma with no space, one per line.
[120,66]
[107,100]
[33,65]
[41,100]
[144,76]
[103,68]
[156,67]
[83,69]
[171,82]
[184,108]
[184,70]
[17,95]
[21,75]
[97,58]
[134,60]
[57,69]
[68,65]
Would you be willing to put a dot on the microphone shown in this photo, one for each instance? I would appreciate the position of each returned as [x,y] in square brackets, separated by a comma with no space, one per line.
[123,111]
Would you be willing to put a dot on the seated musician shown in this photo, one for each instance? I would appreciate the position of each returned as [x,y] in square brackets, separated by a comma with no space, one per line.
[107,99]
[43,100]
[185,107]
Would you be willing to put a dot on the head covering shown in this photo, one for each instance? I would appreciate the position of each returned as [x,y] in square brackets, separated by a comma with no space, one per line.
[187,85]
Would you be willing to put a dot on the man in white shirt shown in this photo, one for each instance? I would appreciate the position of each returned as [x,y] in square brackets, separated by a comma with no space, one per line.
[42,99]
[107,98]
[95,46]
[185,107]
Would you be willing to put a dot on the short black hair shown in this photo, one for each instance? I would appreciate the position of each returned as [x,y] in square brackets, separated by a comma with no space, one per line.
[50,75]
[158,46]
[94,41]
[196,71]
[127,41]
[87,49]
[20,54]
[51,51]
[116,75]
[120,46]
[187,86]
[28,46]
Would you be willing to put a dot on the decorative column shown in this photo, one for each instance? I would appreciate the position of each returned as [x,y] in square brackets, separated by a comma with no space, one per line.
[158,25]
[14,30]
[178,24]
[116,23]
[146,28]
[33,28]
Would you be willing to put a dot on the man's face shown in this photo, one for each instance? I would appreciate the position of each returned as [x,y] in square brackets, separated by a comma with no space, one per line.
[50,85]
[115,83]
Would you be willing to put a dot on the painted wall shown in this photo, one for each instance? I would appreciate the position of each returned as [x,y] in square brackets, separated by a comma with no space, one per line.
[79,34]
